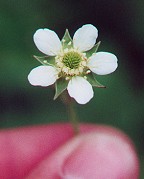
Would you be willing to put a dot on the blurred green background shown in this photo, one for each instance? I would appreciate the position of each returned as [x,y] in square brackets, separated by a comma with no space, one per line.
[121,31]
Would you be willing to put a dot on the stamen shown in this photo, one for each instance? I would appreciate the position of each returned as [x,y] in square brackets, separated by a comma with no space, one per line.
[66,70]
[66,50]
[67,78]
[77,72]
[63,40]
[88,71]
[70,43]
[80,69]
[45,61]
[83,63]
[60,64]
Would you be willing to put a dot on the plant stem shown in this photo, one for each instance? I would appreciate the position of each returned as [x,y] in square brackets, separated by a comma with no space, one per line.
[73,117]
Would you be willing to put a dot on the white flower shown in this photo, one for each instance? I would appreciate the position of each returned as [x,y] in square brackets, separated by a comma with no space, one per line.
[71,61]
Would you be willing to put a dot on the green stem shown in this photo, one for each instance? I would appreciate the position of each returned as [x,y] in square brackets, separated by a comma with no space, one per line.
[73,117]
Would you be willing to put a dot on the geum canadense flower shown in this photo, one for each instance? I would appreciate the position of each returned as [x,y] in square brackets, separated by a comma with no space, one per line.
[71,64]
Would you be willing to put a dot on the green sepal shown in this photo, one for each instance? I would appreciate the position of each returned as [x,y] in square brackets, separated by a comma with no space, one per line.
[67,41]
[45,60]
[92,80]
[93,50]
[60,86]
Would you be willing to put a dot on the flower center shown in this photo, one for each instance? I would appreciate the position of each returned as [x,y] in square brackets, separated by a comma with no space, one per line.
[71,63]
[71,60]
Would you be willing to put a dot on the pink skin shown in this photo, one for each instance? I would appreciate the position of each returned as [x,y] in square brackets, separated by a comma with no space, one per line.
[52,152]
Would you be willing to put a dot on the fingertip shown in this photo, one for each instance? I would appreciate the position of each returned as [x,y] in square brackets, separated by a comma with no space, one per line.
[103,153]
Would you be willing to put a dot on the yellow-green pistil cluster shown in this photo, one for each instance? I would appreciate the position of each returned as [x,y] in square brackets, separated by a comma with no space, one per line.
[71,63]
[71,60]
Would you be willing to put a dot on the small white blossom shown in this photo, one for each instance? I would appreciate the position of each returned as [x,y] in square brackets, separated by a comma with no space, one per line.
[71,61]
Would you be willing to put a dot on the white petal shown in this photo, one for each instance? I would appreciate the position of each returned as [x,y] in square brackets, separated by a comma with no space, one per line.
[43,76]
[85,37]
[47,41]
[80,89]
[103,63]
